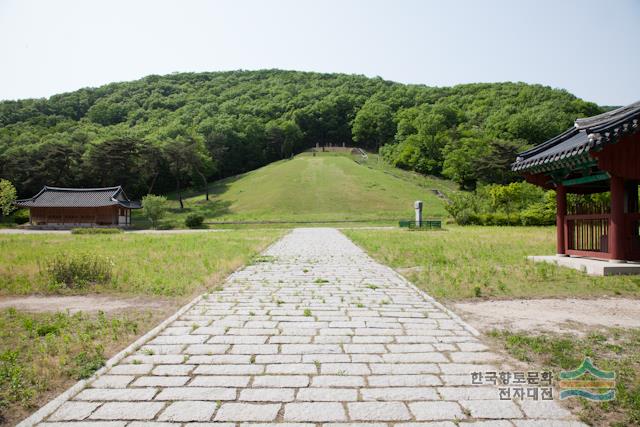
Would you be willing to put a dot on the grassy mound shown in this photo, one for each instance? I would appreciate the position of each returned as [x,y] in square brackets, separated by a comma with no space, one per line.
[325,187]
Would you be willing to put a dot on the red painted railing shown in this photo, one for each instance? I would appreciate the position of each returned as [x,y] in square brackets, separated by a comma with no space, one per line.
[587,233]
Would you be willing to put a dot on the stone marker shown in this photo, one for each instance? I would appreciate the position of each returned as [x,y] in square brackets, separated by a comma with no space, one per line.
[418,206]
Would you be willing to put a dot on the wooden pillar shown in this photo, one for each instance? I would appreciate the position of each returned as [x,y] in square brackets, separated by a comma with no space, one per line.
[616,226]
[561,212]
[630,197]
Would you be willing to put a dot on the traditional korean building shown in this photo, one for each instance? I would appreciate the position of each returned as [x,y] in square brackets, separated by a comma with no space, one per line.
[598,154]
[79,207]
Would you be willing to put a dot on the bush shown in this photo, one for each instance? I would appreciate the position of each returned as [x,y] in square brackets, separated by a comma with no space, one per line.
[96,231]
[538,214]
[78,271]
[194,220]
[21,216]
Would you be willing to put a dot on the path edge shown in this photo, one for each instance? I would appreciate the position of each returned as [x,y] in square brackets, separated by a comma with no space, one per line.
[54,404]
[420,292]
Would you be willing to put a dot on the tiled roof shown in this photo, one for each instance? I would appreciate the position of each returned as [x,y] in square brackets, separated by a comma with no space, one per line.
[584,136]
[56,197]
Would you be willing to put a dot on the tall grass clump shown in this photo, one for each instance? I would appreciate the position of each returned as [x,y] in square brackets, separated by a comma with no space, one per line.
[77,271]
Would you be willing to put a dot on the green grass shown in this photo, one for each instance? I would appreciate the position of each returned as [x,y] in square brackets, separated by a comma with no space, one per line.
[43,353]
[143,264]
[478,262]
[615,350]
[375,162]
[326,187]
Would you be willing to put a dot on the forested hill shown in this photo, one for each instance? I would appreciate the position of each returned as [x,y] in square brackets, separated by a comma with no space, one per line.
[161,132]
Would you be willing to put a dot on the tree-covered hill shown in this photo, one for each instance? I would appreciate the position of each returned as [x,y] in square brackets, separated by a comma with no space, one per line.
[160,133]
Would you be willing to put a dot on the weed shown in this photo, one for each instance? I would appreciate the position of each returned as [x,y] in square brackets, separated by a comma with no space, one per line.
[307,312]
[86,363]
[263,258]
[79,270]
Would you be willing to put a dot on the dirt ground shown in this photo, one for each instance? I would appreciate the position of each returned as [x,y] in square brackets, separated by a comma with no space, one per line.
[570,315]
[86,303]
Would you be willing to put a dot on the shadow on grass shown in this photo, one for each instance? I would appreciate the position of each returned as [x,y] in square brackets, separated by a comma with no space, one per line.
[207,208]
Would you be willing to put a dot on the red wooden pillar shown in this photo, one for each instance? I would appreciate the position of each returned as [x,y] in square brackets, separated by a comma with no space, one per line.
[561,212]
[616,227]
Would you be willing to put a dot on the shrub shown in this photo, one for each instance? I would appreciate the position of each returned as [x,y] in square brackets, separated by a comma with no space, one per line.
[96,231]
[78,271]
[538,214]
[154,208]
[194,220]
[503,205]
[21,216]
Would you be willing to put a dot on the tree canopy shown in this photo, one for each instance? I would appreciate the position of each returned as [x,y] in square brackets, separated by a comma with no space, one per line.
[162,133]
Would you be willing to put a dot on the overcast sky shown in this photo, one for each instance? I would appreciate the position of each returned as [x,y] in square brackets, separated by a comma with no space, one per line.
[588,47]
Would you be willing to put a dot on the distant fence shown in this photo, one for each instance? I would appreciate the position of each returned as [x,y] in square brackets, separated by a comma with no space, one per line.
[429,224]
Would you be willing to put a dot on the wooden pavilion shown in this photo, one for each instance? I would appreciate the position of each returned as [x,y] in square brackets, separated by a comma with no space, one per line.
[79,207]
[598,154]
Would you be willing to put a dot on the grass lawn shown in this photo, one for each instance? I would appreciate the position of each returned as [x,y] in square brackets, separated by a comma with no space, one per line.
[41,354]
[477,262]
[325,187]
[142,264]
[610,350]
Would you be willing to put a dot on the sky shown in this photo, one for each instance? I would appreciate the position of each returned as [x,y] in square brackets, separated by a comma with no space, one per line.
[587,47]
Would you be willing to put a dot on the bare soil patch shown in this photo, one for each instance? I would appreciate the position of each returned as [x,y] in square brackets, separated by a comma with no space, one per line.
[570,315]
[86,303]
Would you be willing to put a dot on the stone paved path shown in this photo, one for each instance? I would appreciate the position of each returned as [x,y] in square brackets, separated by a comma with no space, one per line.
[317,333]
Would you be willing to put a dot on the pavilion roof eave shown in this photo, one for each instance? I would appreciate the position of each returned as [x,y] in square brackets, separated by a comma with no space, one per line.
[587,135]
